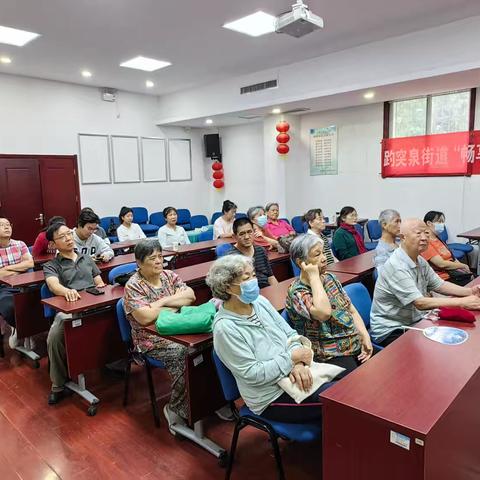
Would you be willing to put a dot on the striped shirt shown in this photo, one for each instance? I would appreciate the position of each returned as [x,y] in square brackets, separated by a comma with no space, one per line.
[327,250]
[254,319]
[261,264]
[12,254]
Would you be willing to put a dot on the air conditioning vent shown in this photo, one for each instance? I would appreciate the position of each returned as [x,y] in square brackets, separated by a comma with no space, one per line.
[250,117]
[297,110]
[259,86]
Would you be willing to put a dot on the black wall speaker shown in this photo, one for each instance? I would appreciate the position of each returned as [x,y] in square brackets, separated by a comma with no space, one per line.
[212,145]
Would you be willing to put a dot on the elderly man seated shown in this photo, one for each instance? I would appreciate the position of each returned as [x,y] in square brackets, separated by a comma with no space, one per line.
[403,288]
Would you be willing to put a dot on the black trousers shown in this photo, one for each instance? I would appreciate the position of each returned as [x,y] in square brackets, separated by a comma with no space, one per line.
[7,310]
[285,409]
[349,363]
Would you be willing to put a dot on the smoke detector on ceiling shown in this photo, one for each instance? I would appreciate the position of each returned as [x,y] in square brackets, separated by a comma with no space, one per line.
[299,22]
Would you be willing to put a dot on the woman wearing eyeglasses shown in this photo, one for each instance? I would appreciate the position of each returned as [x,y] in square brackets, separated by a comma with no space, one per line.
[347,241]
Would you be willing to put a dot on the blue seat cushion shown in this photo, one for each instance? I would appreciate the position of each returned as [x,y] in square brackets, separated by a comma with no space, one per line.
[299,432]
[154,362]
[458,254]
[148,228]
[371,245]
[462,247]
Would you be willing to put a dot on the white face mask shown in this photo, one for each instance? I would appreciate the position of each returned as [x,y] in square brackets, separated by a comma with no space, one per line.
[439,227]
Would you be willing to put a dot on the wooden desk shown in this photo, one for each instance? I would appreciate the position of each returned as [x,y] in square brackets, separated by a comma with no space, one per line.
[472,235]
[41,259]
[418,388]
[198,252]
[360,265]
[92,337]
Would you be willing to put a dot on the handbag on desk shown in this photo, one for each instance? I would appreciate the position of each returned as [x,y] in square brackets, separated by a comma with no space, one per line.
[188,320]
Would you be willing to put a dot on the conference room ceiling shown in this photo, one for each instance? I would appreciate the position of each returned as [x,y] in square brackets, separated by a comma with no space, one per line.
[99,35]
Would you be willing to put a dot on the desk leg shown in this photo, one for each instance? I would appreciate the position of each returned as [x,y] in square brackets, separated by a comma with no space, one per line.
[29,354]
[197,435]
[80,389]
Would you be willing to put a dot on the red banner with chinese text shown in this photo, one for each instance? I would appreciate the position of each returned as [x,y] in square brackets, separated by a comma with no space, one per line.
[432,155]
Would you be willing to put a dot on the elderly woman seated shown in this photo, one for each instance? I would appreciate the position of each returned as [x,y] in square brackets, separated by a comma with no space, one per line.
[257,345]
[276,227]
[390,222]
[320,310]
[258,218]
[149,291]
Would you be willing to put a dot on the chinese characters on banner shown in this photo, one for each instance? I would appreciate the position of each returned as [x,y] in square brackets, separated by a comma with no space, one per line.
[432,155]
[323,151]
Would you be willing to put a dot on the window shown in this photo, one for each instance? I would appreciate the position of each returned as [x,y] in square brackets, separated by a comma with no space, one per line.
[443,113]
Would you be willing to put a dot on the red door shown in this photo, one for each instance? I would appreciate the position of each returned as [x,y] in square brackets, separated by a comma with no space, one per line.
[35,187]
[21,196]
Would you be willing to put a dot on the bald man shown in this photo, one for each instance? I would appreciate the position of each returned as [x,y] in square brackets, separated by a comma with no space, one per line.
[402,291]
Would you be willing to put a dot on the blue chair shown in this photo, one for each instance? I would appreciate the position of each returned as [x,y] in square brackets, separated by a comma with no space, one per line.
[45,292]
[116,271]
[297,224]
[286,317]
[205,236]
[368,245]
[295,268]
[183,218]
[240,215]
[245,417]
[305,227]
[286,219]
[140,216]
[222,249]
[106,222]
[456,248]
[138,357]
[215,216]
[374,230]
[360,298]
[198,221]
[157,219]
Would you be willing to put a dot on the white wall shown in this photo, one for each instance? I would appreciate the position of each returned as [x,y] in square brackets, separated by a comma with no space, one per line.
[44,117]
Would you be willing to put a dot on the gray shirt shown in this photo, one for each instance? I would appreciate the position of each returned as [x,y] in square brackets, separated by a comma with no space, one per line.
[70,274]
[93,245]
[382,253]
[401,281]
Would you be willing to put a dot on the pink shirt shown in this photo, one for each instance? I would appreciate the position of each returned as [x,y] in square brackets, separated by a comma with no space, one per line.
[282,228]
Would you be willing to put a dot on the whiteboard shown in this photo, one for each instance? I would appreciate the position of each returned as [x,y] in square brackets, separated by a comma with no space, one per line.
[179,159]
[154,159]
[94,153]
[126,159]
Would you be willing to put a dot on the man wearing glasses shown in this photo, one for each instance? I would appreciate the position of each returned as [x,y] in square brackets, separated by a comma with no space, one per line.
[65,275]
[14,259]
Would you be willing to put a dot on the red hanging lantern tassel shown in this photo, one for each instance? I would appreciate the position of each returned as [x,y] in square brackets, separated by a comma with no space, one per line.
[283,148]
[283,138]
[282,127]
[218,183]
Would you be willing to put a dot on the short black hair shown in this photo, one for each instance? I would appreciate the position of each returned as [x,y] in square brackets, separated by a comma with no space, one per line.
[240,222]
[52,229]
[167,210]
[56,219]
[87,216]
[227,206]
[433,216]
[343,213]
[123,212]
[146,247]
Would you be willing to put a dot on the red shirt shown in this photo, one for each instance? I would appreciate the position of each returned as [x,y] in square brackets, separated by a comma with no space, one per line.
[40,247]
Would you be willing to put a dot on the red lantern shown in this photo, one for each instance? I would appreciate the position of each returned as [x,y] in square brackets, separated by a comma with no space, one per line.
[283,148]
[218,175]
[218,183]
[217,166]
[283,138]
[283,127]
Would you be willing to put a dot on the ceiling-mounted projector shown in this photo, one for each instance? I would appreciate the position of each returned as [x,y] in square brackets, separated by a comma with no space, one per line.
[299,21]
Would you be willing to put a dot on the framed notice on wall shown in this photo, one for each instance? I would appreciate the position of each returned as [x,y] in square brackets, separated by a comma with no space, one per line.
[323,151]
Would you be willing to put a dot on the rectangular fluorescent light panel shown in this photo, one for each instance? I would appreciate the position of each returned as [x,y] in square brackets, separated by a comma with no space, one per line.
[144,63]
[13,36]
[256,24]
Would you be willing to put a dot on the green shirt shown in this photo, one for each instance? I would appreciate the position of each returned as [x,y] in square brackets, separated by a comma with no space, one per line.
[344,244]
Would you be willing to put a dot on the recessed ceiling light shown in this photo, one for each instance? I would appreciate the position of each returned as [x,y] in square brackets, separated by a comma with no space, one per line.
[368,95]
[275,111]
[86,74]
[149,84]
[13,36]
[5,60]
[256,24]
[208,121]
[145,64]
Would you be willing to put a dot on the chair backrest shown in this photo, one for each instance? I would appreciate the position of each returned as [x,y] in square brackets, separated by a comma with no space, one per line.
[222,249]
[198,221]
[295,268]
[374,229]
[286,219]
[444,235]
[183,216]
[105,222]
[360,298]
[116,271]
[158,219]
[240,215]
[46,293]
[297,224]
[123,323]
[227,380]
[140,215]
[359,229]
[215,216]
[205,236]
[286,317]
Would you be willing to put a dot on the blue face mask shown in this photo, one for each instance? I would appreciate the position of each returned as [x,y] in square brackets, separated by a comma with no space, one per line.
[439,227]
[262,220]
[249,291]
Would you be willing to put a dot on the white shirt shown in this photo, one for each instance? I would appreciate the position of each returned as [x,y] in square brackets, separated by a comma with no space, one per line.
[168,236]
[221,227]
[135,232]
